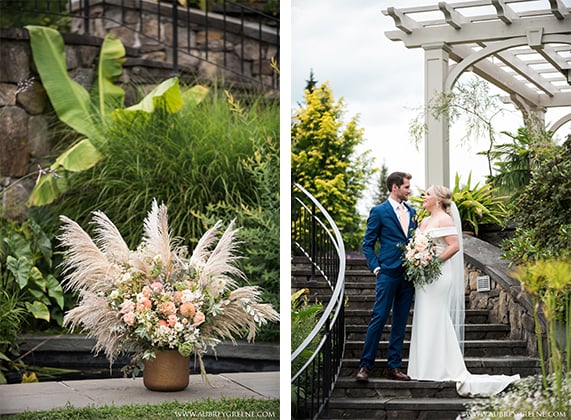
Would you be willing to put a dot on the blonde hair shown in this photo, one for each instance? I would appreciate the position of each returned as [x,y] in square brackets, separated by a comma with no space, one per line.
[444,195]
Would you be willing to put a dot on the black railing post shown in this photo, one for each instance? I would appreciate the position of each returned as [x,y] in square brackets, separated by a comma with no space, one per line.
[86,16]
[175,37]
[327,370]
[206,27]
[313,240]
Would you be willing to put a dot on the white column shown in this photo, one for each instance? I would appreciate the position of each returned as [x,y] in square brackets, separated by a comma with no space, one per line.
[437,150]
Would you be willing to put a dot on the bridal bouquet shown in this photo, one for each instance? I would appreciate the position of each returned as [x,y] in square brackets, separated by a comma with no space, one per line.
[157,297]
[419,259]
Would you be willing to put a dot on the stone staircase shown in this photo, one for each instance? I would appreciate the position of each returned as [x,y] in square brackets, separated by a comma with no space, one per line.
[488,349]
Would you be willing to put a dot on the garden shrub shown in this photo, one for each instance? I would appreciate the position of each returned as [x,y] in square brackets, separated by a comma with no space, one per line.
[542,211]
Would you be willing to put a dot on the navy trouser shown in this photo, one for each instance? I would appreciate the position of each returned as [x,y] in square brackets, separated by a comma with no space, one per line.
[395,293]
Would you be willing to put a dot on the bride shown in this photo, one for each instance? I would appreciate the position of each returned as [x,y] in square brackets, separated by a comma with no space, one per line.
[436,345]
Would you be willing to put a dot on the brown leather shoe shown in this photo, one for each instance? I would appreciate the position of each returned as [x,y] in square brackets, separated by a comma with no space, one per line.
[397,375]
[363,374]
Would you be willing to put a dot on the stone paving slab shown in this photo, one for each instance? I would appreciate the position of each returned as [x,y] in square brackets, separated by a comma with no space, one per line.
[16,398]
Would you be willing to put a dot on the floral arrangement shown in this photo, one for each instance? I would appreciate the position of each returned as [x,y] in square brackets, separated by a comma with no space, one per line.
[157,297]
[419,259]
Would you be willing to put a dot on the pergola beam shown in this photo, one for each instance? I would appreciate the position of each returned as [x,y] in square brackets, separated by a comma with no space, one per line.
[505,14]
[496,76]
[451,16]
[402,21]
[490,30]
[553,58]
[558,9]
[521,68]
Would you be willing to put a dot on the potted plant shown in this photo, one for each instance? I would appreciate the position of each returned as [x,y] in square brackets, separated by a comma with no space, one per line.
[156,301]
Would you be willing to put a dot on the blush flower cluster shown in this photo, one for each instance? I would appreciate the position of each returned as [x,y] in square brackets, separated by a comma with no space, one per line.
[166,313]
[422,266]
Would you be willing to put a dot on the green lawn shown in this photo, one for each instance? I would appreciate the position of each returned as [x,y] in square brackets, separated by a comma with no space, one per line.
[229,409]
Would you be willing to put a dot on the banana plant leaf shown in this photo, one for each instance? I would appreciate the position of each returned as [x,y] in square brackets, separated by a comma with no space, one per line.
[107,94]
[70,100]
[195,95]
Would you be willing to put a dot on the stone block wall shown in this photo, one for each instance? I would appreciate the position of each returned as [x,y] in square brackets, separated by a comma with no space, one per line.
[149,29]
[506,300]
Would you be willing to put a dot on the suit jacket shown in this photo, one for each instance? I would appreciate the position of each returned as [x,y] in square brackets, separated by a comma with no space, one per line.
[383,225]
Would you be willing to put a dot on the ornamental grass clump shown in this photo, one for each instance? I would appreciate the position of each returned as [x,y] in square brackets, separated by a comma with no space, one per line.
[156,297]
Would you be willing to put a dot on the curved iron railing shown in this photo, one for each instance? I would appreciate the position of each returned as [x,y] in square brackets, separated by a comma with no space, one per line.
[315,235]
[238,23]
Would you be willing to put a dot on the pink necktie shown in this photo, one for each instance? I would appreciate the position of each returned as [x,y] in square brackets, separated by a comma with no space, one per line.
[402,218]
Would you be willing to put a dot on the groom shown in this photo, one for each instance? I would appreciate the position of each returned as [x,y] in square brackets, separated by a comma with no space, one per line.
[390,223]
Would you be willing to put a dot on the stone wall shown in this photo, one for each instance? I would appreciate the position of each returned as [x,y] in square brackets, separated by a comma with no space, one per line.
[246,47]
[507,302]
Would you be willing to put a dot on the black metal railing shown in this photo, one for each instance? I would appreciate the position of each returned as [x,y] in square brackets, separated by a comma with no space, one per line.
[246,33]
[315,235]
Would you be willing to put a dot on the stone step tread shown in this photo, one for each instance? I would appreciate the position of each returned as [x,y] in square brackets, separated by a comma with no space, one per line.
[468,312]
[389,383]
[469,361]
[467,327]
[467,343]
[392,403]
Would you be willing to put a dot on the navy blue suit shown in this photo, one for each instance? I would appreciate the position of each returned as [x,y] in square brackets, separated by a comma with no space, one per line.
[392,290]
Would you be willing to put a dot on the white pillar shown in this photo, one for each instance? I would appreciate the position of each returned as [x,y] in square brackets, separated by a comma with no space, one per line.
[437,150]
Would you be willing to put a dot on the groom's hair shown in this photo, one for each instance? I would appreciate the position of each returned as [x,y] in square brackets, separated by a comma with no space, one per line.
[397,178]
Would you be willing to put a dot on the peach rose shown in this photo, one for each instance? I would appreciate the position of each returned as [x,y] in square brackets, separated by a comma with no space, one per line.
[129,318]
[187,310]
[167,308]
[199,318]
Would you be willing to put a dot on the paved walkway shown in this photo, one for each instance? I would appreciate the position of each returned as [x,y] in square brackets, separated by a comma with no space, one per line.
[16,398]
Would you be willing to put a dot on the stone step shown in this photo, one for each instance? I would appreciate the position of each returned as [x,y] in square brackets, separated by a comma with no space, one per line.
[471,331]
[363,316]
[492,365]
[396,408]
[347,387]
[353,290]
[472,348]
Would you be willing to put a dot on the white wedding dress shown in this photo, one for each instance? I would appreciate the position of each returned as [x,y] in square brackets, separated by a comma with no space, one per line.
[435,346]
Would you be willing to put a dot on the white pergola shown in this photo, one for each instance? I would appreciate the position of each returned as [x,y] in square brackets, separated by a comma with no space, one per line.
[522,47]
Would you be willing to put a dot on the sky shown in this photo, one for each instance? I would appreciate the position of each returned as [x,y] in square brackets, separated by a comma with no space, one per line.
[380,81]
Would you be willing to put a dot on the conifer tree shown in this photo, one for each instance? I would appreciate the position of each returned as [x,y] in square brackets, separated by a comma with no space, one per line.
[325,160]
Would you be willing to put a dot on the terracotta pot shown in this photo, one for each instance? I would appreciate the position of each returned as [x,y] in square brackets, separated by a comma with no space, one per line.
[169,371]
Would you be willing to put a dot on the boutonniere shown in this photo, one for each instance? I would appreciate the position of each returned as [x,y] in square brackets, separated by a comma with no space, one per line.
[415,218]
